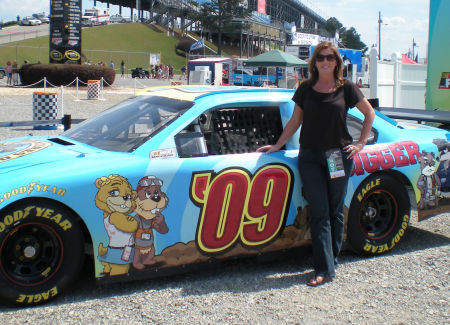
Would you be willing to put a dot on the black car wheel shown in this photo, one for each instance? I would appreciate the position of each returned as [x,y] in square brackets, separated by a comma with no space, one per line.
[2,74]
[379,215]
[41,252]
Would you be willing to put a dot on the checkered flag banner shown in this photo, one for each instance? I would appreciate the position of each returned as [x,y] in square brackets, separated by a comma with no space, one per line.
[93,89]
[45,108]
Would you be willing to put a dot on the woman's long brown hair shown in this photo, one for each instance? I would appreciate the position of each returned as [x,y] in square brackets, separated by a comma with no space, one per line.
[314,73]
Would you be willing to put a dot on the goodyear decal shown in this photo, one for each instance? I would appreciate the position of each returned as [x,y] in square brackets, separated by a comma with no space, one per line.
[40,297]
[34,211]
[30,188]
[237,206]
[386,247]
[16,149]
[379,157]
[367,188]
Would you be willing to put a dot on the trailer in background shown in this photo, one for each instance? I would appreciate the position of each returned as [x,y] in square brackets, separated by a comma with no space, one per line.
[210,71]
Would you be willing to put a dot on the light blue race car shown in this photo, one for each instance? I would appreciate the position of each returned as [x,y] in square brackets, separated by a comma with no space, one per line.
[171,179]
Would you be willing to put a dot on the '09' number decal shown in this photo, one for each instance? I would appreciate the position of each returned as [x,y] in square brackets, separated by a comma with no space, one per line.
[236,206]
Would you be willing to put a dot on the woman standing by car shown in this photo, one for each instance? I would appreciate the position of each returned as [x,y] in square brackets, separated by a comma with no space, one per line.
[326,151]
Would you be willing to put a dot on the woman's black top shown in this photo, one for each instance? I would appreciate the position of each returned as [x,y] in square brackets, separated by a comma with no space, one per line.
[324,115]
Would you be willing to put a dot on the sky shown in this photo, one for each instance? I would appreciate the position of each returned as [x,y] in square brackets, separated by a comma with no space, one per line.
[403,20]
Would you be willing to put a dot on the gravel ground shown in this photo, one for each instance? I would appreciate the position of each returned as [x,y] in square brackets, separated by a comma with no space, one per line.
[409,285]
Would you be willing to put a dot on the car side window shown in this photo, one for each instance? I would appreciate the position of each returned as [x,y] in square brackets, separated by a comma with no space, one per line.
[235,130]
[354,127]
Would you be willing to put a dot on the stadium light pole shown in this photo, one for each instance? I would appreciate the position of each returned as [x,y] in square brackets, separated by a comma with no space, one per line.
[379,35]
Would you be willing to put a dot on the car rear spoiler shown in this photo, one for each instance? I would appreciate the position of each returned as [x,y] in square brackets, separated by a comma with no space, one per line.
[419,115]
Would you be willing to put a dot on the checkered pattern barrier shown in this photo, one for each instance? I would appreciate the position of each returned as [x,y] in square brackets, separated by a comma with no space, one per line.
[45,108]
[93,89]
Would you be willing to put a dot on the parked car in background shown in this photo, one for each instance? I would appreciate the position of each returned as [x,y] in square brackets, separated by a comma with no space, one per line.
[119,19]
[140,73]
[42,17]
[30,21]
[2,72]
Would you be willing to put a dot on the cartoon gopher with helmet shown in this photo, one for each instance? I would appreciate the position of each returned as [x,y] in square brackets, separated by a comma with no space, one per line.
[150,202]
[115,197]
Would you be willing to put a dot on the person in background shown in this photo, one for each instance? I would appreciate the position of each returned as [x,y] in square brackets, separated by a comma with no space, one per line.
[122,69]
[183,72]
[321,105]
[111,64]
[15,74]
[8,72]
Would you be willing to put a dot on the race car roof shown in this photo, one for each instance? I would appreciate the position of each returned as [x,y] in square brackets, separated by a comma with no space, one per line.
[191,93]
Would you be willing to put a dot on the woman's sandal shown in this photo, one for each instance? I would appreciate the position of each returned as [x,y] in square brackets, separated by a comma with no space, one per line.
[318,280]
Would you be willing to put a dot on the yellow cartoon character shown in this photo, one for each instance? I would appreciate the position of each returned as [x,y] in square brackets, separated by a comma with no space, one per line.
[115,197]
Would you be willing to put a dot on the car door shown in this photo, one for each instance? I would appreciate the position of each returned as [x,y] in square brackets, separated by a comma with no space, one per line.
[224,198]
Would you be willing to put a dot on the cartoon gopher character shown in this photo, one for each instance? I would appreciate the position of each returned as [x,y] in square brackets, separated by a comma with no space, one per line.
[428,183]
[150,202]
[115,198]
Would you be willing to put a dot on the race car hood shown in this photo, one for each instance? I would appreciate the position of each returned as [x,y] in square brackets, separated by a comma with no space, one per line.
[27,152]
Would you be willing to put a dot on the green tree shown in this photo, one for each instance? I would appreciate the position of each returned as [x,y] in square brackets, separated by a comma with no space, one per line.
[332,25]
[349,38]
[216,16]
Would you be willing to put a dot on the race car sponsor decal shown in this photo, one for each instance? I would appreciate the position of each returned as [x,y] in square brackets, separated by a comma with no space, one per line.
[384,248]
[239,207]
[34,211]
[131,237]
[30,188]
[163,153]
[16,149]
[39,297]
[397,154]
[367,188]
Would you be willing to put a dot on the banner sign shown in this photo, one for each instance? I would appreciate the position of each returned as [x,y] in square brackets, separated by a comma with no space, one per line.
[308,39]
[197,45]
[261,17]
[65,31]
[155,58]
[438,80]
[262,6]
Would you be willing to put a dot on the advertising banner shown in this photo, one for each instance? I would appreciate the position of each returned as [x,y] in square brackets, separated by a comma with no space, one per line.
[438,74]
[262,6]
[155,58]
[65,31]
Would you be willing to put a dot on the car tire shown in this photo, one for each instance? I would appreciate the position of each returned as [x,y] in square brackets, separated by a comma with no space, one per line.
[378,216]
[41,252]
[2,74]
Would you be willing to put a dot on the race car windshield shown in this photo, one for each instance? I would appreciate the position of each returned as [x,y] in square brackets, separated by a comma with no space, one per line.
[128,125]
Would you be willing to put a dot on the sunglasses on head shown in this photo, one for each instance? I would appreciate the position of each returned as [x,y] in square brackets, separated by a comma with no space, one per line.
[329,57]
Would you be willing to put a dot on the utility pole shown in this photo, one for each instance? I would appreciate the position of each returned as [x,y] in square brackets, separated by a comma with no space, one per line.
[413,46]
[379,35]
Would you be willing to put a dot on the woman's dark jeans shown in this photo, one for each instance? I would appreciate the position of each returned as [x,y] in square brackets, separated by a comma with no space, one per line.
[325,197]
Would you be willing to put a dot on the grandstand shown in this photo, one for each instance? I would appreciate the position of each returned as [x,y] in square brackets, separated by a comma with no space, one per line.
[266,27]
